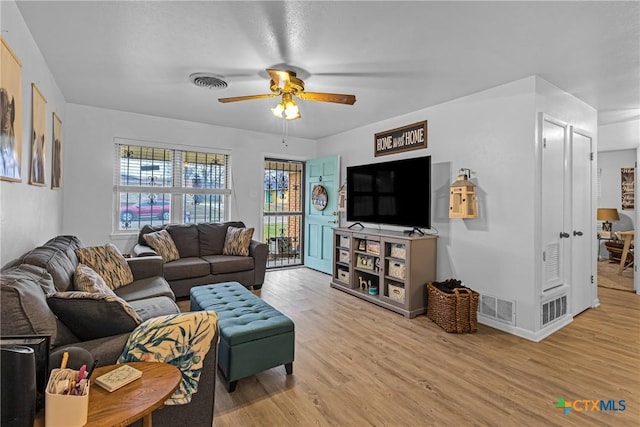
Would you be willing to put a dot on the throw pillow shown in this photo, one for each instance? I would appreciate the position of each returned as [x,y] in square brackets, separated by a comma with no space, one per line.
[87,280]
[90,315]
[162,243]
[108,262]
[237,241]
[182,340]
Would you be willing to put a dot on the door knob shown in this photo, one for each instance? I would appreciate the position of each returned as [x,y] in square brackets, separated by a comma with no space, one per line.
[563,234]
[577,233]
[336,221]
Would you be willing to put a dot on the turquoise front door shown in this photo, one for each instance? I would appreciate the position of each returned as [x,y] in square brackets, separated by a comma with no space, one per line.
[321,216]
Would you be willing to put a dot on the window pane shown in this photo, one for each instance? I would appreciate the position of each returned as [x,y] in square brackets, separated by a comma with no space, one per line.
[204,207]
[204,170]
[145,166]
[140,209]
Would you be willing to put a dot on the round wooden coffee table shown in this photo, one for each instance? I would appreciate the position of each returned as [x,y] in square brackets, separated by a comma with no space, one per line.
[135,400]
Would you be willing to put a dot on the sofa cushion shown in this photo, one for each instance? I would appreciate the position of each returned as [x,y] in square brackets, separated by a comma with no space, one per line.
[56,262]
[212,236]
[221,264]
[108,262]
[86,279]
[162,243]
[153,307]
[184,268]
[237,241]
[91,316]
[24,304]
[182,340]
[145,288]
[185,237]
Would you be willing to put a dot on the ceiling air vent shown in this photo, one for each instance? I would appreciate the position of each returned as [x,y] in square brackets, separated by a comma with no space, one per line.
[209,81]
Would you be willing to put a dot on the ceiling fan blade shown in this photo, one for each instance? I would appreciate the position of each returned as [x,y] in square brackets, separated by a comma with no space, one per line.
[246,98]
[279,77]
[328,97]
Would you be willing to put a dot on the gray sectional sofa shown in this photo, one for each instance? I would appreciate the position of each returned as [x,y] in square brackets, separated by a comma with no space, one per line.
[26,282]
[201,261]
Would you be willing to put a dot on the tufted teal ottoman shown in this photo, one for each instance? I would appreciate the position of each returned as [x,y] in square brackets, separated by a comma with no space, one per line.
[253,335]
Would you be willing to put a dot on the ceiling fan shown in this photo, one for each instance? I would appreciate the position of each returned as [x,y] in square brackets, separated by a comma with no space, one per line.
[285,84]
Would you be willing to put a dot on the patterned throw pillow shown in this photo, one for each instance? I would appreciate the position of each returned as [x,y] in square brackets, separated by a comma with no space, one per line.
[162,243]
[237,241]
[181,340]
[90,315]
[108,262]
[87,280]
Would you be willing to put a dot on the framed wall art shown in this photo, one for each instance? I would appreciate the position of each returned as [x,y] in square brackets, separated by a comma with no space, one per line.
[56,153]
[627,190]
[11,114]
[38,140]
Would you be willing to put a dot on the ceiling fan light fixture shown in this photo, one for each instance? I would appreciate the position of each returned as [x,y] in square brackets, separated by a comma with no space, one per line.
[291,111]
[278,110]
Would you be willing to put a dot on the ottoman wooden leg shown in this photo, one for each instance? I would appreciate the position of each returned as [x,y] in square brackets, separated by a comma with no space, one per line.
[231,386]
[289,368]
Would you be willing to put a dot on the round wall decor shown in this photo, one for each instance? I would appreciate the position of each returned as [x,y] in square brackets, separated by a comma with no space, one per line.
[319,197]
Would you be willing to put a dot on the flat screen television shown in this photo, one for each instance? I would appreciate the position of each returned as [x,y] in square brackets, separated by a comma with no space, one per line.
[394,193]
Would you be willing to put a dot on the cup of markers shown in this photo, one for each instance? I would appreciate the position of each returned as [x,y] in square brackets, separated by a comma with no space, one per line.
[67,396]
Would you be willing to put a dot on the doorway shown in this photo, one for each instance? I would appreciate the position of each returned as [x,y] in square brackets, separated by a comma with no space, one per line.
[283,211]
[617,217]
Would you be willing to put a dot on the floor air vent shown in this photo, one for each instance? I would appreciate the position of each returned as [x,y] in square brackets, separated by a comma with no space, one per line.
[498,309]
[554,309]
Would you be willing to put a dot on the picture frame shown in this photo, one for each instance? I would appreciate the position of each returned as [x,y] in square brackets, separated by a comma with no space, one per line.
[56,153]
[362,245]
[41,345]
[38,138]
[11,114]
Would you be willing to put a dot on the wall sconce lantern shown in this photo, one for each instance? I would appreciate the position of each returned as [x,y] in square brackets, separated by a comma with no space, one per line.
[462,197]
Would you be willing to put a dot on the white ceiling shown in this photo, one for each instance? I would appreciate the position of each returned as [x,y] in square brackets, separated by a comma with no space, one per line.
[396,57]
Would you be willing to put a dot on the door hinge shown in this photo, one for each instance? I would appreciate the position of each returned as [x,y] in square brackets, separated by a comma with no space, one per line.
[591,156]
[592,279]
[544,256]
[544,142]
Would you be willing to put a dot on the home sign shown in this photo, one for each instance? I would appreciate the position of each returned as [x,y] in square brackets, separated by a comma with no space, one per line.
[406,138]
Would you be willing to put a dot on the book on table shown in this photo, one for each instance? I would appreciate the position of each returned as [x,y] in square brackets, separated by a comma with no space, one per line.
[118,377]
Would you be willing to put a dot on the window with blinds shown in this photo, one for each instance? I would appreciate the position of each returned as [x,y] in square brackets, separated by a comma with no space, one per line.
[156,185]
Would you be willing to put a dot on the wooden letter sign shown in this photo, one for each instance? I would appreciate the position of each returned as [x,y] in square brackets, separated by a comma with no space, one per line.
[406,138]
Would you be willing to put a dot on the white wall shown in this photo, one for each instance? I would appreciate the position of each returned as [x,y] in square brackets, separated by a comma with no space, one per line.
[619,136]
[30,215]
[89,156]
[493,133]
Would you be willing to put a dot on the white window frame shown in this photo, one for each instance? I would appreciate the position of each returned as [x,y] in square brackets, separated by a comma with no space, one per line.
[177,190]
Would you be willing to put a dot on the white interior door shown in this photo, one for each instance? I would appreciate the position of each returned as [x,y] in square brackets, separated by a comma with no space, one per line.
[582,236]
[554,235]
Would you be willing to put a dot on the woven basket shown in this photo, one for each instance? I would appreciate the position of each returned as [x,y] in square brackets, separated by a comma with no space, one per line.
[456,312]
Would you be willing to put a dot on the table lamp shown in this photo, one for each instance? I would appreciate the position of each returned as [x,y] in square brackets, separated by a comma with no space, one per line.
[607,215]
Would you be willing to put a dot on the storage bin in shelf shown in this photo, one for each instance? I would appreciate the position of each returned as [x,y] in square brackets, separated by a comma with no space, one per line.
[395,292]
[343,275]
[343,256]
[398,251]
[397,269]
[344,241]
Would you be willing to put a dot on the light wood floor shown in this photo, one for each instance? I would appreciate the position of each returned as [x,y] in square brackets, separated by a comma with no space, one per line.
[358,365]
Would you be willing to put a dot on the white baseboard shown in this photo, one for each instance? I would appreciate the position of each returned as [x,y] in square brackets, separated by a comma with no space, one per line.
[535,336]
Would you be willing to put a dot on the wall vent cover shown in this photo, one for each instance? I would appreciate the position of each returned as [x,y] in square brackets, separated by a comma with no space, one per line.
[554,309]
[499,309]
[207,80]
